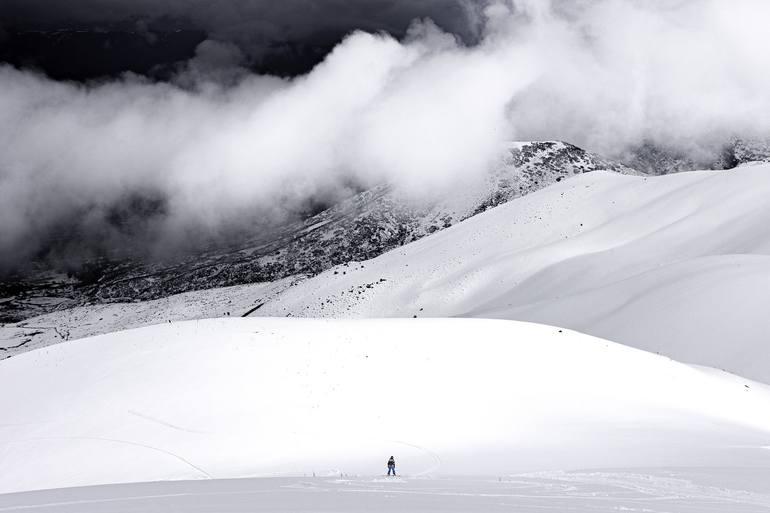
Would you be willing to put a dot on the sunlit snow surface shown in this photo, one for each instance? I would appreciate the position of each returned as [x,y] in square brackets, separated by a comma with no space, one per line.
[677,265]
[700,490]
[230,398]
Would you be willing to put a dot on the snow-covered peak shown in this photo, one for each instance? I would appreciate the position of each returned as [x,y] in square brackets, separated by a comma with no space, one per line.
[359,228]
[678,265]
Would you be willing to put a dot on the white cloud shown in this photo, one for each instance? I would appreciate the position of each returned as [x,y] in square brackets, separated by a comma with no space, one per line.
[422,113]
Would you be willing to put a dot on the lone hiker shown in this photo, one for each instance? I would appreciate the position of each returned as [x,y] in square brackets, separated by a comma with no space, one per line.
[392,466]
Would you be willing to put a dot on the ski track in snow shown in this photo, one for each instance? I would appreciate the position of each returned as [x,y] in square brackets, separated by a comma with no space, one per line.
[650,491]
[436,458]
[531,398]
[164,423]
[113,440]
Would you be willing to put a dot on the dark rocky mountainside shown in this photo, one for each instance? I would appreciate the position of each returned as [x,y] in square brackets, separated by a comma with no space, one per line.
[361,227]
[751,150]
[655,159]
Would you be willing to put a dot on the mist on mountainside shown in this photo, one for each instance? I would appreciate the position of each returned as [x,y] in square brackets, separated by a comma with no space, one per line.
[133,165]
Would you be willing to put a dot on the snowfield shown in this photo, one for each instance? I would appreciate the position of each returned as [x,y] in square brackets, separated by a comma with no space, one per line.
[481,414]
[685,490]
[677,265]
[86,321]
[230,398]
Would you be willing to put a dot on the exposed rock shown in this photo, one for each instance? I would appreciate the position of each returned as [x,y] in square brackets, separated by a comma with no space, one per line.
[359,228]
[752,150]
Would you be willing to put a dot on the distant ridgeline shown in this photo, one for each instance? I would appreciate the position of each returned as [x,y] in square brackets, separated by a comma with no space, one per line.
[357,229]
[657,160]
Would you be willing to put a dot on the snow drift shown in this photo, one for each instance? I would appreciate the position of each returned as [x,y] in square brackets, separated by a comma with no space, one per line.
[256,397]
[678,265]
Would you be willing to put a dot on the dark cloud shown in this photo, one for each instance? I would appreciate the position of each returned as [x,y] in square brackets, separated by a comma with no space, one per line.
[294,18]
[216,146]
[285,37]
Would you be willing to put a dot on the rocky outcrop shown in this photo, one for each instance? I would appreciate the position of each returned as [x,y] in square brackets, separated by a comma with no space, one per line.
[359,228]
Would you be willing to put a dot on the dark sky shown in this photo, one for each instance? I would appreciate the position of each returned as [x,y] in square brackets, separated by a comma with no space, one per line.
[99,41]
[203,147]
[82,39]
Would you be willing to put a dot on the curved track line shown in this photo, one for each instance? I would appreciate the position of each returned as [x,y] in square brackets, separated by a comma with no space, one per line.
[113,440]
[163,423]
[436,458]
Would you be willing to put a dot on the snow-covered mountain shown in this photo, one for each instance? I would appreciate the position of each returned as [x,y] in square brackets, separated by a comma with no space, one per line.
[359,228]
[656,159]
[678,265]
[752,150]
[257,397]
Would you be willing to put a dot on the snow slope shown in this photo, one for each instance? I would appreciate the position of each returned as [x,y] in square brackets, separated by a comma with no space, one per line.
[257,397]
[680,490]
[678,264]
[360,227]
[85,321]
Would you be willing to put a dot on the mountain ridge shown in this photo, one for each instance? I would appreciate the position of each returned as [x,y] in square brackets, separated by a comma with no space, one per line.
[358,228]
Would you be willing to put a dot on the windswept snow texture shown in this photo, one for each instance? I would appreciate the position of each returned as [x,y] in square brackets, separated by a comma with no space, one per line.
[702,490]
[678,265]
[275,397]
[86,321]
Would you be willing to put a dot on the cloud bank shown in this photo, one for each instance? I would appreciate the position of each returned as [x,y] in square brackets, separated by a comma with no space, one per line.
[219,145]
[262,29]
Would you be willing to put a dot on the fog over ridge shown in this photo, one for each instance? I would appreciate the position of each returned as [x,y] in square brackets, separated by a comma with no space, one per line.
[219,144]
